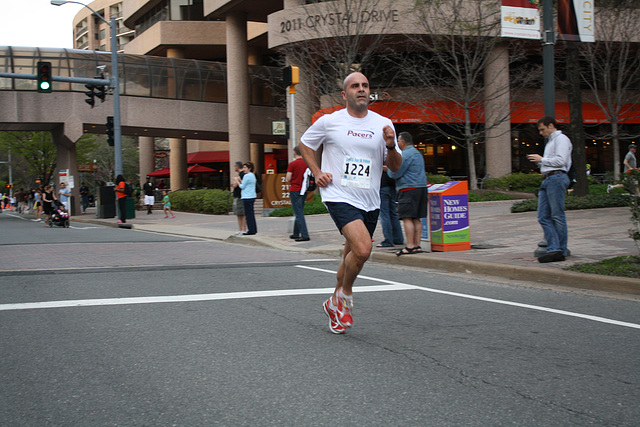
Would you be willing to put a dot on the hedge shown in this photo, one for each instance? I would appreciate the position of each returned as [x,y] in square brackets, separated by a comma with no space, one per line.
[217,202]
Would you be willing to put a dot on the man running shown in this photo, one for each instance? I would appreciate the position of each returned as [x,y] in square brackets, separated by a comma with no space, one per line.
[355,143]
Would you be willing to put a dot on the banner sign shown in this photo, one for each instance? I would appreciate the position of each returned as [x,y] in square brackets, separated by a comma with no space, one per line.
[575,20]
[520,19]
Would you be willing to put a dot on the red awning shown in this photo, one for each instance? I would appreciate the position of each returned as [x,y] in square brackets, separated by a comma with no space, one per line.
[449,112]
[208,157]
[160,173]
[199,169]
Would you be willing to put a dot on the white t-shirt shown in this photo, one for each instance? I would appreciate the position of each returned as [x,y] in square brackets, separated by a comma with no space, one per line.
[354,152]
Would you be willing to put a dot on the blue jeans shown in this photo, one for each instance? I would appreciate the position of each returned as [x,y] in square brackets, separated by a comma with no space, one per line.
[389,218]
[297,202]
[249,213]
[551,211]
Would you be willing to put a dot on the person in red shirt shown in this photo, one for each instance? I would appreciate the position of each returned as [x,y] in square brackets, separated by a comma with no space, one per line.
[122,198]
[295,176]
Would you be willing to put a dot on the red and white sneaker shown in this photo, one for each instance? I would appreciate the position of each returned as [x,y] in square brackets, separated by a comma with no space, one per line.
[334,326]
[344,310]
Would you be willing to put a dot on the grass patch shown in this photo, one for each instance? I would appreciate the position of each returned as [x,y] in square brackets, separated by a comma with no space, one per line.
[622,266]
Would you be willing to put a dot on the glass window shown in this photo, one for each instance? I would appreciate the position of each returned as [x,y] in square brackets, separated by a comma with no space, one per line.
[135,75]
[188,80]
[214,82]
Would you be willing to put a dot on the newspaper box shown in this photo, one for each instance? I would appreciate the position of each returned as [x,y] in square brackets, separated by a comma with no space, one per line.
[449,216]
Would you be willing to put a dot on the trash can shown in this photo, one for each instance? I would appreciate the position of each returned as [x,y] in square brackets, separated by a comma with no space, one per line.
[131,208]
[106,203]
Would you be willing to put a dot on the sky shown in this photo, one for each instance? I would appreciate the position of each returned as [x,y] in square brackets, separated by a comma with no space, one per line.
[37,23]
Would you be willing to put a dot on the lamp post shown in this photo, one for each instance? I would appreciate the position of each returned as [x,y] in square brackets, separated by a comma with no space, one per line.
[114,83]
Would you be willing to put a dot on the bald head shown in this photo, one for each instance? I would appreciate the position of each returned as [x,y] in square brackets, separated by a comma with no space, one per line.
[351,76]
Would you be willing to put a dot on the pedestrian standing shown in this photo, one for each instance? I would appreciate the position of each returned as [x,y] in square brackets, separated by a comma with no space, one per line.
[84,197]
[238,206]
[121,194]
[248,194]
[295,177]
[554,165]
[355,142]
[64,195]
[411,184]
[391,228]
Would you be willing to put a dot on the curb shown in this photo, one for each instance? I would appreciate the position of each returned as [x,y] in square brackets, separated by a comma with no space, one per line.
[552,276]
[513,272]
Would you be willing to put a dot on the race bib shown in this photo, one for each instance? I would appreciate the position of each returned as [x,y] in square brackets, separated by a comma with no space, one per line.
[356,172]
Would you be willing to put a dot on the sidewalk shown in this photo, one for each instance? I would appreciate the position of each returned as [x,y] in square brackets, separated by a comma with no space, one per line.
[502,243]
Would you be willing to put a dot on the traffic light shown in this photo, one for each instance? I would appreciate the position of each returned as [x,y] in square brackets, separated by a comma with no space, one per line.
[100,90]
[90,95]
[8,186]
[110,139]
[44,77]
[290,75]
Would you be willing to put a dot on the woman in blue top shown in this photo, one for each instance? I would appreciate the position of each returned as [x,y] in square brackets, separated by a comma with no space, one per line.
[248,195]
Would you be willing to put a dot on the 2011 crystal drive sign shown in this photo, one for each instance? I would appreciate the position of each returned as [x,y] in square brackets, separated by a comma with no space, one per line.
[449,216]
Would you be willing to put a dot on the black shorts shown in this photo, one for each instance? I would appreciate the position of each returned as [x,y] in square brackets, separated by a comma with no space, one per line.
[413,203]
[343,213]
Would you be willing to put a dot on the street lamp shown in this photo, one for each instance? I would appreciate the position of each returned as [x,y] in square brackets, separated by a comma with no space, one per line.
[114,83]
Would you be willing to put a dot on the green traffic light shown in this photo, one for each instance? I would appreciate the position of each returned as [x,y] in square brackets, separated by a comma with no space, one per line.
[45,85]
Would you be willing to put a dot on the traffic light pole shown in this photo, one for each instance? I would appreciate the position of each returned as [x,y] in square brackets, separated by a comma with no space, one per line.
[115,84]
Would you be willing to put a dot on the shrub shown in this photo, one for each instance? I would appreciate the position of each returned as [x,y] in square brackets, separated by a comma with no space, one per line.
[313,207]
[590,201]
[437,179]
[515,182]
[217,202]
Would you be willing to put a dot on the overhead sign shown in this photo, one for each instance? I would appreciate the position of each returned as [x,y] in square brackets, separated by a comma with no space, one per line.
[520,19]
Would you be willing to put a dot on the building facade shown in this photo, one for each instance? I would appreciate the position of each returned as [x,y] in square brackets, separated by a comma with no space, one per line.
[465,126]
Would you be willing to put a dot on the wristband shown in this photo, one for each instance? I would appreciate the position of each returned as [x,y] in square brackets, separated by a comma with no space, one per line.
[393,147]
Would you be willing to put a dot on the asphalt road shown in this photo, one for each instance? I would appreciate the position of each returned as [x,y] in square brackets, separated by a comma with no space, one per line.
[240,339]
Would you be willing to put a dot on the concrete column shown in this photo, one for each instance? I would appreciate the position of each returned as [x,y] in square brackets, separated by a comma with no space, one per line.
[237,88]
[146,150]
[497,112]
[178,163]
[66,159]
[177,146]
[257,157]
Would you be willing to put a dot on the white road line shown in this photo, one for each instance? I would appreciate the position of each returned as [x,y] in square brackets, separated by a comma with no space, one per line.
[189,298]
[496,301]
[389,285]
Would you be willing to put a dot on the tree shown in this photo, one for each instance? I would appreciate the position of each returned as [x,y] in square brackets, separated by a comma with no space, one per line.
[612,64]
[459,40]
[35,150]
[329,40]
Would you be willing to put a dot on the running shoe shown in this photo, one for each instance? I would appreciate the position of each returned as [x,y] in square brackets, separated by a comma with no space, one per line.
[344,310]
[334,326]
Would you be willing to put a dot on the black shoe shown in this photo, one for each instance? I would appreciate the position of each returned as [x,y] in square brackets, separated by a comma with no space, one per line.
[293,236]
[551,257]
[246,233]
[302,239]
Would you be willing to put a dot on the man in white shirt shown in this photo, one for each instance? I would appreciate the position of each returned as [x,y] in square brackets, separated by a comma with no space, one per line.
[64,195]
[355,143]
[554,165]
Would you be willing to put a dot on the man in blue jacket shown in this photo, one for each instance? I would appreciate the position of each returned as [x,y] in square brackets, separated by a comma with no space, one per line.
[411,184]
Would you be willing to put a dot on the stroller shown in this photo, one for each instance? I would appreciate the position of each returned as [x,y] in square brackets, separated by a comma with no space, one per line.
[59,215]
